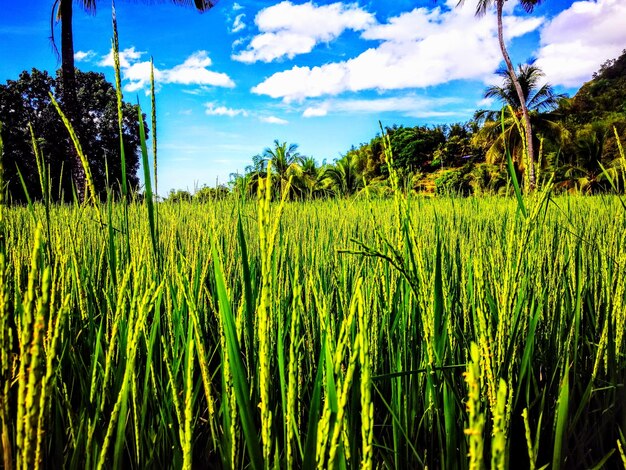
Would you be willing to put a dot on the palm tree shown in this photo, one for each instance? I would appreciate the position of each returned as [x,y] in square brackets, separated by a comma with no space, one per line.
[534,97]
[589,150]
[310,180]
[344,175]
[285,161]
[537,99]
[528,6]
[63,11]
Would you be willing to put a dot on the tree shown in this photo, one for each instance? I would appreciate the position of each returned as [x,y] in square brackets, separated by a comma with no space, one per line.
[309,179]
[534,97]
[64,14]
[284,160]
[528,6]
[63,11]
[23,101]
[539,99]
[345,178]
[457,148]
[414,147]
[180,195]
[26,100]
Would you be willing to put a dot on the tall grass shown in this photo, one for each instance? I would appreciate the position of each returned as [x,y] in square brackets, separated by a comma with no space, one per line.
[256,342]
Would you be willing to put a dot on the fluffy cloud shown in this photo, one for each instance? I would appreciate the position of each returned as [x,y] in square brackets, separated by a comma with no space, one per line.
[193,71]
[287,30]
[578,40]
[84,56]
[212,110]
[410,105]
[273,120]
[418,49]
[127,56]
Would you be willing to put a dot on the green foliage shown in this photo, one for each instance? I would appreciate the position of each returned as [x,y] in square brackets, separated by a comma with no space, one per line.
[26,101]
[414,147]
[454,182]
[488,179]
[571,136]
[208,194]
[179,195]
[589,119]
[344,176]
[602,96]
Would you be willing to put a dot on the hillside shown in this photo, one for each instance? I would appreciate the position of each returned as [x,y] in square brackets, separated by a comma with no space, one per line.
[602,96]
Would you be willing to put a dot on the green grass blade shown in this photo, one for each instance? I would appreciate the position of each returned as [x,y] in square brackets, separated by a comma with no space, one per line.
[308,459]
[120,97]
[248,295]
[154,126]
[240,382]
[511,168]
[148,197]
[561,422]
[83,158]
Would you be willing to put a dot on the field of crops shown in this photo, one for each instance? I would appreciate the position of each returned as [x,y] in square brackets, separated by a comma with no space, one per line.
[445,333]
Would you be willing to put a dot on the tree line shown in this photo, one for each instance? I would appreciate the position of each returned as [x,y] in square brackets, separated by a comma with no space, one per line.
[575,142]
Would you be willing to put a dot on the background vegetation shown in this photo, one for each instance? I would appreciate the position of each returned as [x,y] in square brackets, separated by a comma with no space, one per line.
[27,102]
[575,137]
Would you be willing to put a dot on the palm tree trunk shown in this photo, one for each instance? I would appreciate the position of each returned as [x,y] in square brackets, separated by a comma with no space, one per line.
[67,51]
[70,99]
[520,95]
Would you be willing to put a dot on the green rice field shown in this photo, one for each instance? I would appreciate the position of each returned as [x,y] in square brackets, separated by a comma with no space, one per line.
[359,333]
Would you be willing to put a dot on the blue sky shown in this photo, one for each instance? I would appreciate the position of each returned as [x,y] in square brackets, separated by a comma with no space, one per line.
[319,74]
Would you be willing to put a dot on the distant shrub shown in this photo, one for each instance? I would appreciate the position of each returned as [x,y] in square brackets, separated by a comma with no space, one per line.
[454,183]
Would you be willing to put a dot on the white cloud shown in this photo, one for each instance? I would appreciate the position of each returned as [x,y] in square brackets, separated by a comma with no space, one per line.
[287,30]
[315,111]
[273,120]
[127,56]
[193,71]
[578,40]
[84,56]
[419,48]
[516,26]
[212,110]
[238,23]
[410,105]
[486,103]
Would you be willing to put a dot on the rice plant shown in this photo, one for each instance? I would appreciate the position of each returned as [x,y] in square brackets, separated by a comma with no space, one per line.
[274,334]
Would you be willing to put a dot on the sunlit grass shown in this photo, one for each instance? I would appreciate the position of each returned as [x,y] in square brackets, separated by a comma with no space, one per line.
[264,339]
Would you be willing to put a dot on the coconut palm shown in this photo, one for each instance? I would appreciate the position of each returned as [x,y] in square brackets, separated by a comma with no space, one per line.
[528,6]
[310,180]
[589,160]
[344,175]
[63,11]
[535,96]
[284,159]
[539,99]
